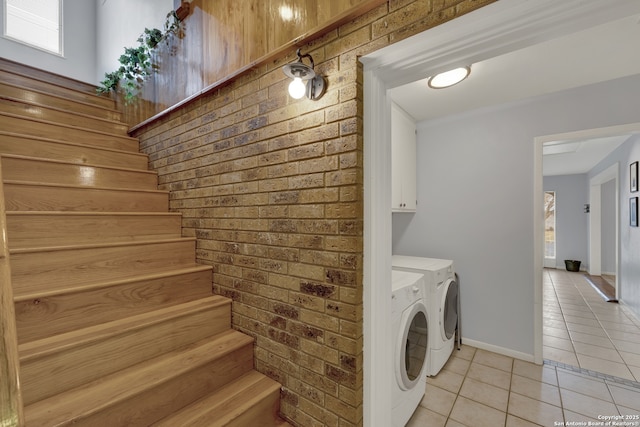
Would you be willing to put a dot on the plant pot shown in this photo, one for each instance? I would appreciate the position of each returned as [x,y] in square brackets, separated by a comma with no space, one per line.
[572,264]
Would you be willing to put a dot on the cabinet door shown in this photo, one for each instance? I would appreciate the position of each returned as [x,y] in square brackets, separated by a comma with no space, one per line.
[403,161]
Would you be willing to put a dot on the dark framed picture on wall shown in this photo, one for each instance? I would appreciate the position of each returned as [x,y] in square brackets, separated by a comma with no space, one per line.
[633,212]
[633,176]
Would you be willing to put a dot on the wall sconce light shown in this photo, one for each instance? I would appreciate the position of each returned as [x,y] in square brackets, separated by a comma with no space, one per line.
[305,81]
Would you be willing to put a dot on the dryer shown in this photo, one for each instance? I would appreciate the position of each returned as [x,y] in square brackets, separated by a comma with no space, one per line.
[442,294]
[410,326]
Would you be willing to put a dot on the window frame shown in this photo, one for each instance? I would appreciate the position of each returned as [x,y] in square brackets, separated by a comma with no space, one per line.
[555,235]
[60,51]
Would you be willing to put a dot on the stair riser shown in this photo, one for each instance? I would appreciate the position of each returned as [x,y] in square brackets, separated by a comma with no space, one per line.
[251,400]
[68,174]
[41,98]
[16,124]
[155,404]
[44,198]
[33,111]
[264,413]
[31,230]
[39,272]
[72,367]
[25,146]
[47,316]
[18,77]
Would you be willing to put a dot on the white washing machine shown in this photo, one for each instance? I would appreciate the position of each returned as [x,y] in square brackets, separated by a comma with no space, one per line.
[442,294]
[410,326]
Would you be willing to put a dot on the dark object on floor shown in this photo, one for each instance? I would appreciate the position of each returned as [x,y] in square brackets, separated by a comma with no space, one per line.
[602,287]
[572,264]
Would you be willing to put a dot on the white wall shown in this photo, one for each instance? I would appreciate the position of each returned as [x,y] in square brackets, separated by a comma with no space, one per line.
[572,224]
[475,193]
[79,60]
[120,23]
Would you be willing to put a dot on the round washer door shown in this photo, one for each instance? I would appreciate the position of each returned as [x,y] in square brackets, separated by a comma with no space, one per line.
[411,353]
[449,310]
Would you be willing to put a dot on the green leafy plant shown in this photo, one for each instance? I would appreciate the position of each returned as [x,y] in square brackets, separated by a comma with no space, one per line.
[137,62]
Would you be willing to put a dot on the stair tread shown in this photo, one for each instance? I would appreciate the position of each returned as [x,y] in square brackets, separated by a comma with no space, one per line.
[49,345]
[31,106]
[84,187]
[226,403]
[75,144]
[106,283]
[89,213]
[54,95]
[100,245]
[64,125]
[63,162]
[27,72]
[59,109]
[123,385]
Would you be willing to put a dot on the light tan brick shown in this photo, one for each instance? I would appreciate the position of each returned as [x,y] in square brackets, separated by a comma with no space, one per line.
[272,188]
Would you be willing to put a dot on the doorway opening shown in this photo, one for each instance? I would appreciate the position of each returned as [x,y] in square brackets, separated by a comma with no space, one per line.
[495,29]
[577,321]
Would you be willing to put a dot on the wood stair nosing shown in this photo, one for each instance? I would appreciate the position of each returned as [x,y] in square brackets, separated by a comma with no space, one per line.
[73,174]
[47,129]
[31,229]
[39,316]
[36,271]
[30,196]
[50,78]
[13,143]
[35,111]
[38,294]
[100,350]
[64,87]
[51,171]
[250,399]
[147,392]
[37,96]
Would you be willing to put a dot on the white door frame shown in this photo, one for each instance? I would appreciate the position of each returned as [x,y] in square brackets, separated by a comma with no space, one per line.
[595,219]
[498,28]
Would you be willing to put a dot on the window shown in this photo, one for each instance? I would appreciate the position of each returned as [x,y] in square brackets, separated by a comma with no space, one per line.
[549,224]
[35,22]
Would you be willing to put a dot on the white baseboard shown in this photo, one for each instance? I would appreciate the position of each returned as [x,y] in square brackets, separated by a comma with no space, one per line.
[500,350]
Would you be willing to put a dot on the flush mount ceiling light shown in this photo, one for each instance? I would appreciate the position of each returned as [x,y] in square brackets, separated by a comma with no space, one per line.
[305,81]
[449,78]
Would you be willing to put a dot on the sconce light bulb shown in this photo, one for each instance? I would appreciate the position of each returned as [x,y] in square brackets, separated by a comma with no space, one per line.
[297,88]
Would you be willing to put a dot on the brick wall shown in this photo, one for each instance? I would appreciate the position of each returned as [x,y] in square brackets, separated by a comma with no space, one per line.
[272,188]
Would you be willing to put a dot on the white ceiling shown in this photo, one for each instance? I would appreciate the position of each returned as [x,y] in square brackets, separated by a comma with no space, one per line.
[599,54]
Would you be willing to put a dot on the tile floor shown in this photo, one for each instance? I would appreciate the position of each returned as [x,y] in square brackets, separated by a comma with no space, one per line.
[477,388]
[581,329]
[592,369]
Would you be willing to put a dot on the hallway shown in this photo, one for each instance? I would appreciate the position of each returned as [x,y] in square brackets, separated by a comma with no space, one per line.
[581,329]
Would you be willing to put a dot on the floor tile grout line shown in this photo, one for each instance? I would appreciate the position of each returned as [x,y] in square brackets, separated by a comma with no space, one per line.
[614,347]
[575,282]
[592,374]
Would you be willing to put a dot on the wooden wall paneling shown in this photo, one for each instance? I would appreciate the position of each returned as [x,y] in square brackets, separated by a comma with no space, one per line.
[256,31]
[225,38]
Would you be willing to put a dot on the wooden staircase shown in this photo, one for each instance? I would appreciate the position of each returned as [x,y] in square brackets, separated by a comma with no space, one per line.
[116,322]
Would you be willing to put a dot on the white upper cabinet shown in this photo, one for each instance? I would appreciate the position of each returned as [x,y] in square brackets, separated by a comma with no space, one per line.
[403,161]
